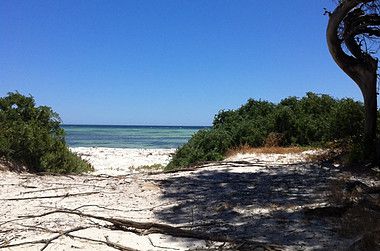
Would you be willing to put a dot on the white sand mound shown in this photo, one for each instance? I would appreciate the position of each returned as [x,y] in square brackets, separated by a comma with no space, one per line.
[120,161]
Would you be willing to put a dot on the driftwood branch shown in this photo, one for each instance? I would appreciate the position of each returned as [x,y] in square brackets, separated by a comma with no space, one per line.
[60,235]
[52,196]
[120,210]
[106,242]
[118,246]
[45,241]
[145,228]
[47,189]
[141,228]
[151,243]
[68,233]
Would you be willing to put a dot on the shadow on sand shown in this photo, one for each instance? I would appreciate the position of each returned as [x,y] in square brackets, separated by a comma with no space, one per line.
[264,204]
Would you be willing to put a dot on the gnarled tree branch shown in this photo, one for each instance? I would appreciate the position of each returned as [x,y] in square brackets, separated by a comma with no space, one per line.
[350,24]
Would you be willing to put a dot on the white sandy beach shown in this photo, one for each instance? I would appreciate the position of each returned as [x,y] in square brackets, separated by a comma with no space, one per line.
[255,197]
[121,161]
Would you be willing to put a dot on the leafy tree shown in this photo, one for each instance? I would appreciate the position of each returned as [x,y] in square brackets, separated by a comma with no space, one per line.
[32,135]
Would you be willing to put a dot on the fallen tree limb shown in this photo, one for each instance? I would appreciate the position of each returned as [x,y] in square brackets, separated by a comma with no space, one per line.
[47,189]
[55,174]
[166,248]
[145,228]
[120,210]
[118,246]
[52,196]
[44,241]
[205,164]
[107,242]
[67,233]
[241,163]
[74,184]
[60,235]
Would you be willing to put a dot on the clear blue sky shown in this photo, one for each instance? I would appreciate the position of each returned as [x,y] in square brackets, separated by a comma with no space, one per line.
[164,62]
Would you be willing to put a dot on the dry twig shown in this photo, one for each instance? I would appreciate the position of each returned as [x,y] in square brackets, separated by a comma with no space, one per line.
[53,196]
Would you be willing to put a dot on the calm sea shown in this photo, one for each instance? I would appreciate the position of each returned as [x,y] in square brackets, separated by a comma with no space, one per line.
[128,136]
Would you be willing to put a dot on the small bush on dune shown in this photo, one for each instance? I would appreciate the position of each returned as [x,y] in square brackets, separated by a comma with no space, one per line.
[61,160]
[205,145]
[314,120]
[31,135]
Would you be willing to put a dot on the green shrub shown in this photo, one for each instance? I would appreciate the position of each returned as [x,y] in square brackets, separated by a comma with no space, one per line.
[346,119]
[31,135]
[205,145]
[313,120]
[248,133]
[285,124]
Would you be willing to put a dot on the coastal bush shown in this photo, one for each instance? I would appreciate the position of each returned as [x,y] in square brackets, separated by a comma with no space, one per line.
[205,145]
[32,136]
[313,120]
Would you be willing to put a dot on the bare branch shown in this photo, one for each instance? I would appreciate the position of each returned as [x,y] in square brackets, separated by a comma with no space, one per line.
[53,196]
[145,228]
[44,241]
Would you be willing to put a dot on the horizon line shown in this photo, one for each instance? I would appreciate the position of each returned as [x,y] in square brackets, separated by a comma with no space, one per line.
[79,124]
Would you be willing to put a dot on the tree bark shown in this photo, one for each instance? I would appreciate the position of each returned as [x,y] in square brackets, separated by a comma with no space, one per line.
[370,105]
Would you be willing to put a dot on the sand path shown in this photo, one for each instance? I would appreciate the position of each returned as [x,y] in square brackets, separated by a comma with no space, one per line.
[258,198]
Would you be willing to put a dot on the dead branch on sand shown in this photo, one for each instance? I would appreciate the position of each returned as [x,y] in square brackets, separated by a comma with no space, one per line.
[45,241]
[141,228]
[53,196]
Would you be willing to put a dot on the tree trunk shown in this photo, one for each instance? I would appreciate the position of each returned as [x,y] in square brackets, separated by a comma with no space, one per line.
[360,67]
[368,87]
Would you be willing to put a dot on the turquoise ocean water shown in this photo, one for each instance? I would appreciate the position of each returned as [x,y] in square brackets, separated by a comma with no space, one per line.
[128,136]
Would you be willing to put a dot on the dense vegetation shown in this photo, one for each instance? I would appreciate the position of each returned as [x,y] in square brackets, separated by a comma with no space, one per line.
[31,135]
[313,120]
